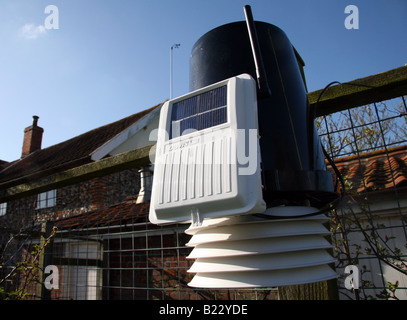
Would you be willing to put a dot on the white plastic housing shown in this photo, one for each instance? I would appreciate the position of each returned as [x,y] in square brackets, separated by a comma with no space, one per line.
[245,252]
[214,172]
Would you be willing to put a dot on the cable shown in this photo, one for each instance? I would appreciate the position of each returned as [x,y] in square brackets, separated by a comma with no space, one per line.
[327,156]
[320,95]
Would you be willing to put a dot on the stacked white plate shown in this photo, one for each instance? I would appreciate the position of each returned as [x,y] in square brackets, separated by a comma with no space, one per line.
[247,251]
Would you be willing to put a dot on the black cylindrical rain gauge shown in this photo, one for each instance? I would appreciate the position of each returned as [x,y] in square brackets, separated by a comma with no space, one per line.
[293,165]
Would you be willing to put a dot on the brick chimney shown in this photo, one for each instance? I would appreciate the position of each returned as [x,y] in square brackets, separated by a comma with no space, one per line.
[32,138]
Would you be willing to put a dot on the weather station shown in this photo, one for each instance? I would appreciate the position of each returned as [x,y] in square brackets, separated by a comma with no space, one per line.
[239,159]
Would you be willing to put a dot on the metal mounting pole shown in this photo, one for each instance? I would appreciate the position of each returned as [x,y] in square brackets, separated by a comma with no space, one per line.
[177,45]
[264,89]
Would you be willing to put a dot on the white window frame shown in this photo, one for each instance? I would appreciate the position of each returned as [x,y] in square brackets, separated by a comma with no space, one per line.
[47,199]
[82,282]
[3,208]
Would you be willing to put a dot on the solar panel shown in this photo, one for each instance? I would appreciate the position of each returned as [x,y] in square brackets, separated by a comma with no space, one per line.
[199,112]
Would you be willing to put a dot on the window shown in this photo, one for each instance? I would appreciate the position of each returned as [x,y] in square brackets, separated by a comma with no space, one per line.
[3,208]
[81,274]
[199,112]
[46,199]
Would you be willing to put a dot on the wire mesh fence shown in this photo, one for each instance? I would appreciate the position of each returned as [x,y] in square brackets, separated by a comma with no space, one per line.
[368,144]
[104,247]
[97,235]
[367,128]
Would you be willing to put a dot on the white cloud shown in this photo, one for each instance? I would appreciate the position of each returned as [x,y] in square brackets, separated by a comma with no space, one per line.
[30,31]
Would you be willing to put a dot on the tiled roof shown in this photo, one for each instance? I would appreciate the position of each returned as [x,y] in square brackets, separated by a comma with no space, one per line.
[122,214]
[375,171]
[67,154]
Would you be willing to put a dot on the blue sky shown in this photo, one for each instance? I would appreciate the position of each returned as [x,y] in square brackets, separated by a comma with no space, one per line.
[110,59]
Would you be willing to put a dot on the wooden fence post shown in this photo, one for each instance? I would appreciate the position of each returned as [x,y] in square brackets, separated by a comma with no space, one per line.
[324,290]
[44,259]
